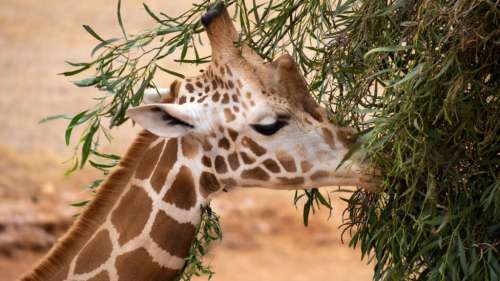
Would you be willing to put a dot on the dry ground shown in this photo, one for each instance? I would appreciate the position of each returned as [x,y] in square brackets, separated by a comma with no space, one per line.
[264,237]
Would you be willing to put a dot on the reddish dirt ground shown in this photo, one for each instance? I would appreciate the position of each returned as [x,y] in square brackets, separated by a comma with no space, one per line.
[264,238]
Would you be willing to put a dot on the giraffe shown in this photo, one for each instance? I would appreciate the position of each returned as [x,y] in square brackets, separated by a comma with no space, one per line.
[241,123]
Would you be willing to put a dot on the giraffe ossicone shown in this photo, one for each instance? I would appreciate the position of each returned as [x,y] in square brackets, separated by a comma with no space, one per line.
[241,123]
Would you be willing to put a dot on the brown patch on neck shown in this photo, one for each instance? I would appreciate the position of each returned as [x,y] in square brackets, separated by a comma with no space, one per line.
[232,134]
[291,181]
[287,161]
[131,215]
[208,184]
[189,147]
[305,166]
[319,174]
[139,265]
[103,276]
[233,161]
[246,158]
[167,161]
[205,160]
[95,253]
[224,143]
[328,137]
[182,193]
[272,166]
[220,165]
[253,146]
[347,136]
[148,162]
[256,173]
[171,236]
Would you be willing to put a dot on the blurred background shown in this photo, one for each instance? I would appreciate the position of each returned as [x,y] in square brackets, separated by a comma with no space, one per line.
[264,237]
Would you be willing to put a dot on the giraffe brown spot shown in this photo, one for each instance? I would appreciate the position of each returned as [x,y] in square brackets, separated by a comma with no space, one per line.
[248,95]
[287,161]
[182,100]
[95,253]
[61,274]
[202,99]
[220,164]
[130,224]
[229,115]
[189,87]
[222,70]
[238,82]
[230,84]
[189,147]
[207,146]
[328,137]
[291,181]
[232,134]
[182,193]
[229,182]
[205,160]
[198,84]
[229,70]
[215,97]
[148,162]
[306,166]
[247,159]
[214,84]
[167,160]
[225,99]
[319,174]
[139,265]
[256,173]
[191,99]
[272,166]
[236,109]
[347,136]
[208,184]
[235,98]
[224,143]
[253,146]
[103,276]
[207,89]
[234,163]
[172,236]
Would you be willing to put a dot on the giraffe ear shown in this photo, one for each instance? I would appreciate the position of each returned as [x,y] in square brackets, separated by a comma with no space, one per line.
[153,95]
[166,119]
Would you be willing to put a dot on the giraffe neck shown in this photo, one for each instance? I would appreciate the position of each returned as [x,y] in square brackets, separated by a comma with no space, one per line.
[141,224]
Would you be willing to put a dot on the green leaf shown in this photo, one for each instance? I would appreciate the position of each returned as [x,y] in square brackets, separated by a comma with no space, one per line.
[54,117]
[86,82]
[171,72]
[80,204]
[103,44]
[74,121]
[386,50]
[306,211]
[120,21]
[93,33]
[87,143]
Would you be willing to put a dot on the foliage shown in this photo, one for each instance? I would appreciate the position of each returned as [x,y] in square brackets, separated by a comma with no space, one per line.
[419,78]
[208,231]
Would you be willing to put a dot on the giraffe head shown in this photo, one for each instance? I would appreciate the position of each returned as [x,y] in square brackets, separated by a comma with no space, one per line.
[255,122]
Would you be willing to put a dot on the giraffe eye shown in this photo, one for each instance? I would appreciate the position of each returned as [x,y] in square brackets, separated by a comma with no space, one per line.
[269,129]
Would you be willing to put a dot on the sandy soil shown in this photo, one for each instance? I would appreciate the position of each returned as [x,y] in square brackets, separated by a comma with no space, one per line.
[264,236]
